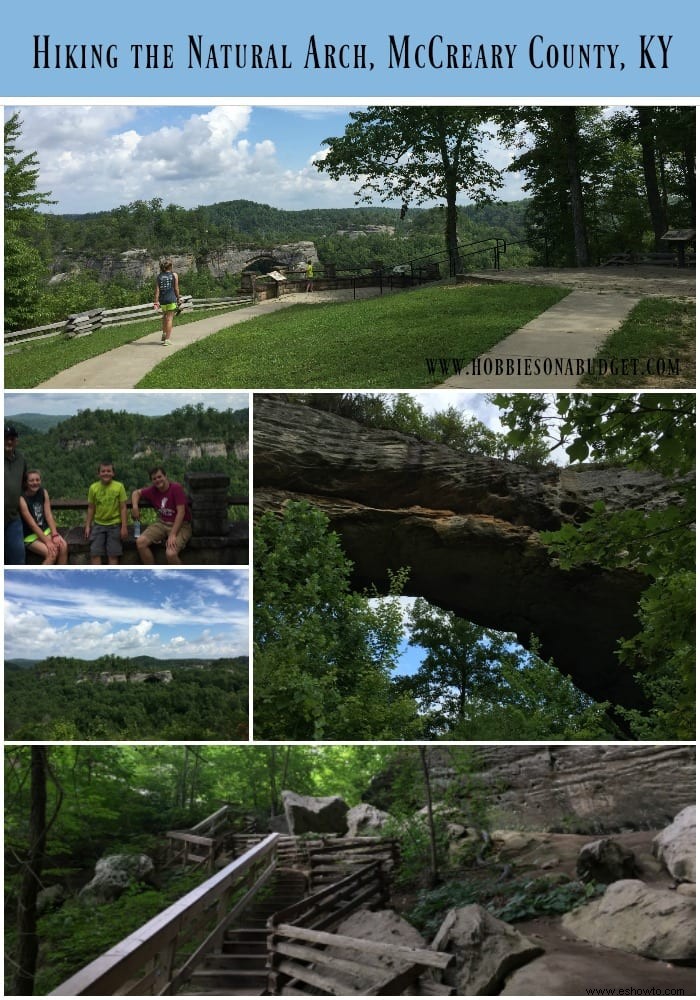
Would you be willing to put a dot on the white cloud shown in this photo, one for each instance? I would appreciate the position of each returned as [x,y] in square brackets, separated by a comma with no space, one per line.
[95,158]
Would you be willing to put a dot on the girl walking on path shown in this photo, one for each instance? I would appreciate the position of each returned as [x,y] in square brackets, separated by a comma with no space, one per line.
[167,298]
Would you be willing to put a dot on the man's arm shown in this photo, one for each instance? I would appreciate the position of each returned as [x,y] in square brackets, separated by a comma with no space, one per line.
[135,497]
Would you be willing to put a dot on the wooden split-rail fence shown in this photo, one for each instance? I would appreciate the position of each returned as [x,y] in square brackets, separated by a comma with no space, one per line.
[264,926]
[89,321]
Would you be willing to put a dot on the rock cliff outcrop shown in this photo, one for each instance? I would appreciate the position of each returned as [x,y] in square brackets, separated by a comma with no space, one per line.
[588,788]
[468,527]
[142,266]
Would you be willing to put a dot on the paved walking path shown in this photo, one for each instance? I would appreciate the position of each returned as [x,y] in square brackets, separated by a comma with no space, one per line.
[550,350]
[574,328]
[124,367]
[545,353]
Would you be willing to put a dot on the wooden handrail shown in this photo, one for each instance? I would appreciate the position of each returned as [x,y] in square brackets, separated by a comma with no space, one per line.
[209,821]
[70,504]
[298,955]
[422,956]
[144,962]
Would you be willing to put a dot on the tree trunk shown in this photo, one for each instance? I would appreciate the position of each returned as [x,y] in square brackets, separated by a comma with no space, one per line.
[27,939]
[451,240]
[659,221]
[570,131]
[433,874]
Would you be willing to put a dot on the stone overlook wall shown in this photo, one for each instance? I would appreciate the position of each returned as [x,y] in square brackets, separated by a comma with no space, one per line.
[468,528]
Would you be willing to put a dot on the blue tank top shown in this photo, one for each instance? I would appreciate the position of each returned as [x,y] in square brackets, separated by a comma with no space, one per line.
[166,288]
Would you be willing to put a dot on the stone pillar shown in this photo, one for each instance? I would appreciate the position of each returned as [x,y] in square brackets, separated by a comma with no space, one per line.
[209,493]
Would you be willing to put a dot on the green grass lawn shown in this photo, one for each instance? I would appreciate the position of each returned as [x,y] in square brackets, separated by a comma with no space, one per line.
[30,364]
[658,333]
[381,342]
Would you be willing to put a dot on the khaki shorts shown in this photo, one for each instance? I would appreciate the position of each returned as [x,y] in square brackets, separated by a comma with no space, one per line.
[157,534]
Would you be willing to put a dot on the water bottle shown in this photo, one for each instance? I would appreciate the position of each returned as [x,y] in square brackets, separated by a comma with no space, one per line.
[137,529]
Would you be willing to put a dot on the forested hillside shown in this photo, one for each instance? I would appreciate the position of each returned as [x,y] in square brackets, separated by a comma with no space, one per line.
[68,453]
[153,226]
[118,698]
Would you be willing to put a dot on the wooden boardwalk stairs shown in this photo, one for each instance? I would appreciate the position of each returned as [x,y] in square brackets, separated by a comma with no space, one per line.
[239,966]
[266,923]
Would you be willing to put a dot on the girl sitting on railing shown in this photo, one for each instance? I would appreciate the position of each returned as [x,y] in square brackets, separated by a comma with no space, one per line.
[41,534]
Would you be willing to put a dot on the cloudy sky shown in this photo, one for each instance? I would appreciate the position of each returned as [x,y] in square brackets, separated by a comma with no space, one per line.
[150,404]
[96,158]
[163,612]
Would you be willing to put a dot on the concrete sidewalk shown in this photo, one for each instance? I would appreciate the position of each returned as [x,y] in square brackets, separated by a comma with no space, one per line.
[574,328]
[125,366]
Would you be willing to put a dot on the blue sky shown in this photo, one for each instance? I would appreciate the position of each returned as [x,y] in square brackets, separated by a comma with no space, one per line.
[161,612]
[151,404]
[96,158]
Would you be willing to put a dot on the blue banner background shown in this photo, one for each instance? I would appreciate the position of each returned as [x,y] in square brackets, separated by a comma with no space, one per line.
[288,27]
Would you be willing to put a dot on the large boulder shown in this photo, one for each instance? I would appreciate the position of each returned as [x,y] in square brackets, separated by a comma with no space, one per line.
[605,861]
[385,926]
[574,970]
[675,846]
[365,820]
[278,824]
[51,898]
[486,949]
[306,814]
[114,874]
[633,917]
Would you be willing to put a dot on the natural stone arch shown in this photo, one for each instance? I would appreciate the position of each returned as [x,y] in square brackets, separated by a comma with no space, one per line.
[262,264]
[468,526]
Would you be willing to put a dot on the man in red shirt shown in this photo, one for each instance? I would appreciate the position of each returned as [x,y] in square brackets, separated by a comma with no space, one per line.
[174,524]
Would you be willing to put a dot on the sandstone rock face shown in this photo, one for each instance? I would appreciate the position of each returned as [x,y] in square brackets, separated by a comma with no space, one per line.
[468,528]
[141,266]
[578,789]
[605,861]
[365,820]
[655,923]
[114,874]
[306,814]
[186,449]
[675,846]
[487,950]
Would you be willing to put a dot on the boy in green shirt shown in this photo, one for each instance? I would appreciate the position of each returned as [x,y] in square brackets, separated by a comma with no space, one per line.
[106,526]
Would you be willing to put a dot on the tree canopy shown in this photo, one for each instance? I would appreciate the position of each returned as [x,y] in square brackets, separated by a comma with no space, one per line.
[416,154]
[323,654]
[24,264]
